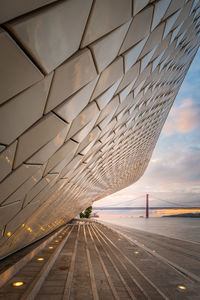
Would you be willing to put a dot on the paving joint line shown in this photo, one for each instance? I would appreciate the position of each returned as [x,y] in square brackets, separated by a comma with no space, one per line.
[179,269]
[116,269]
[141,273]
[92,278]
[114,292]
[67,288]
[12,270]
[36,284]
[124,266]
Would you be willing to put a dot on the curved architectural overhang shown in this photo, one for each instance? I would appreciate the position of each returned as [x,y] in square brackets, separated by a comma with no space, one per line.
[85,88]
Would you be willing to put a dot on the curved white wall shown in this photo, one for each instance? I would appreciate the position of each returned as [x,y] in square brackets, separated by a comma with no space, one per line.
[85,88]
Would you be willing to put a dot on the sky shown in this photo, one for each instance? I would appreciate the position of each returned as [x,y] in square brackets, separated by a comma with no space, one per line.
[173,173]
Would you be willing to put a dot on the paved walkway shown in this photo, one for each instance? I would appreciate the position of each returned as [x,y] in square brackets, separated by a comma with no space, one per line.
[87,260]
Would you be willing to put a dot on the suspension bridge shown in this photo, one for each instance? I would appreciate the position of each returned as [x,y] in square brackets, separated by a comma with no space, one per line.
[147,207]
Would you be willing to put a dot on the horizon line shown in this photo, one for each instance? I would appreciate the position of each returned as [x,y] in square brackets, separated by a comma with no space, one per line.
[141,208]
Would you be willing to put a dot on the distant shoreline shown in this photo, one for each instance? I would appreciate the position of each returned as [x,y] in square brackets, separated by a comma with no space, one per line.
[186,215]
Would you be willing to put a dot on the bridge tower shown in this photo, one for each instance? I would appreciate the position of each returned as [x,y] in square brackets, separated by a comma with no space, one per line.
[147,206]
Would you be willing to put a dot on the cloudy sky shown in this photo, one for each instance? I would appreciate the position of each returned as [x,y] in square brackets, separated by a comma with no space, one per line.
[173,173]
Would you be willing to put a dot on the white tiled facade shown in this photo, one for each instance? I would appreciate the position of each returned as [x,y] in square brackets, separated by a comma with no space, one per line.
[85,88]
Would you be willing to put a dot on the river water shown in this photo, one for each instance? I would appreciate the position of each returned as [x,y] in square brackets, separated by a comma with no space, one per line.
[181,228]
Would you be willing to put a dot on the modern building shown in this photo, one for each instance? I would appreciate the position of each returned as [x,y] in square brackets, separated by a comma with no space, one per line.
[85,88]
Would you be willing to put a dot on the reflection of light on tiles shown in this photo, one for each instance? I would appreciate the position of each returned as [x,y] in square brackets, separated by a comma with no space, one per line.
[18,283]
[181,287]
[50,247]
[8,160]
[136,252]
[83,119]
[35,179]
[91,136]
[9,233]
[40,258]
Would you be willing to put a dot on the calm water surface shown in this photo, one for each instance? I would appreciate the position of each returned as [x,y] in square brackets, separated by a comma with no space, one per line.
[181,228]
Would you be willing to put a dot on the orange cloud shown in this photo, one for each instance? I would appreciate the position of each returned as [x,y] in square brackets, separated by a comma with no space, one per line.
[183,119]
[167,212]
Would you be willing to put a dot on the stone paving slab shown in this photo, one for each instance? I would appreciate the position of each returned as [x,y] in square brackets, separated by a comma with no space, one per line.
[184,253]
[94,261]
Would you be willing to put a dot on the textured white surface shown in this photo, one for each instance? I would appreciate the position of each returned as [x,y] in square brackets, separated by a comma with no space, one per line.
[17,71]
[89,127]
[53,34]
